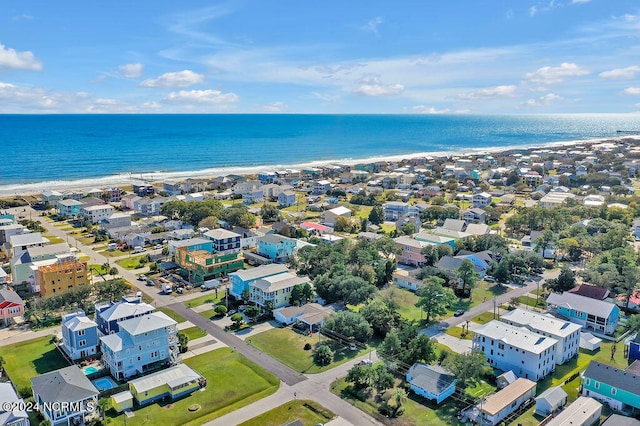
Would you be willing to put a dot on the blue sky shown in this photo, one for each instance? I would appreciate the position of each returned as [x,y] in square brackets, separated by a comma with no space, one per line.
[293,56]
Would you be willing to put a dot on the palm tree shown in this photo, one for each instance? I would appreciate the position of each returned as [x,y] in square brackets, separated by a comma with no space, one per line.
[399,398]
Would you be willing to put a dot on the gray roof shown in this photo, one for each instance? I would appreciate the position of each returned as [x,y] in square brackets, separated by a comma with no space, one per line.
[221,234]
[580,412]
[279,281]
[189,242]
[620,420]
[432,378]
[8,394]
[49,250]
[80,323]
[518,337]
[10,296]
[173,376]
[115,341]
[274,239]
[582,304]
[454,224]
[68,384]
[620,379]
[26,239]
[554,396]
[542,322]
[146,323]
[260,271]
[121,310]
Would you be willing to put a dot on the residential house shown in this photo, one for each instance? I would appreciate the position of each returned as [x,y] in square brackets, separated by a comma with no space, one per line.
[582,412]
[527,354]
[286,198]
[172,188]
[143,344]
[109,314]
[619,389]
[555,199]
[474,215]
[129,201]
[173,382]
[96,213]
[224,241]
[634,347]
[10,229]
[550,401]
[481,200]
[620,420]
[66,273]
[498,406]
[275,290]
[431,381]
[69,208]
[278,248]
[21,242]
[4,277]
[192,244]
[51,197]
[565,332]
[591,314]
[203,265]
[79,335]
[591,291]
[505,379]
[435,240]
[451,263]
[312,314]
[407,279]
[531,178]
[66,396]
[11,305]
[240,280]
[330,217]
[11,410]
[122,401]
[593,200]
[411,251]
[143,189]
[266,177]
[393,210]
[314,228]
[321,187]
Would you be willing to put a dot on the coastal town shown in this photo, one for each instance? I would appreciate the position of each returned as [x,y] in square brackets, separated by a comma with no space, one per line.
[486,288]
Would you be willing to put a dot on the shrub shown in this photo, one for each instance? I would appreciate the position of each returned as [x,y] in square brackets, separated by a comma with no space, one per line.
[323,355]
[307,346]
[220,310]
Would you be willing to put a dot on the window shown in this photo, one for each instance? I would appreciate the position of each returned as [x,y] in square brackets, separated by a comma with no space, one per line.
[597,385]
[81,332]
[614,391]
[154,354]
[82,343]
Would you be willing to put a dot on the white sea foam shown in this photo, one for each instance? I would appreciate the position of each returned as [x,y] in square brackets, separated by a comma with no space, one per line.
[129,178]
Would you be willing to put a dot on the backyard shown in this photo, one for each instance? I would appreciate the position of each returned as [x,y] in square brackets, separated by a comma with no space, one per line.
[194,333]
[132,262]
[232,382]
[28,359]
[308,412]
[287,346]
[211,296]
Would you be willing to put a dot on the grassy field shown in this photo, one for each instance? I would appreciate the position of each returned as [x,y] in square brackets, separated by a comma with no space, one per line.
[484,318]
[131,262]
[113,253]
[209,297]
[310,413]
[287,346]
[172,314]
[97,269]
[28,359]
[208,314]
[232,382]
[53,239]
[531,301]
[194,333]
[457,332]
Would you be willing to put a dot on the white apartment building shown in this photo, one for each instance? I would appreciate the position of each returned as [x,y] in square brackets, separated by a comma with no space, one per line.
[97,213]
[529,355]
[565,332]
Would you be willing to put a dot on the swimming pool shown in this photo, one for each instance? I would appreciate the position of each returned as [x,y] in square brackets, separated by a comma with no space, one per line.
[90,370]
[104,383]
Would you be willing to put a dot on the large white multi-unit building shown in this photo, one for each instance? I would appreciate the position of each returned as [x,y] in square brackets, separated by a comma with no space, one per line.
[97,212]
[529,355]
[565,332]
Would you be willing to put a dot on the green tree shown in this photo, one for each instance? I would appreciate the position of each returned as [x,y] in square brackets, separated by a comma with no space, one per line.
[468,368]
[323,355]
[245,295]
[468,275]
[381,318]
[396,402]
[409,228]
[220,310]
[103,405]
[349,324]
[382,379]
[183,342]
[360,376]
[343,224]
[296,297]
[252,312]
[565,281]
[633,323]
[434,297]
[237,319]
[376,216]
[269,213]
[391,345]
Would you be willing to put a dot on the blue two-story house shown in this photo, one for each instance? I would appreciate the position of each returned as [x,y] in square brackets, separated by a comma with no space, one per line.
[591,314]
[240,280]
[143,344]
[79,335]
[276,247]
[224,241]
[620,389]
[109,314]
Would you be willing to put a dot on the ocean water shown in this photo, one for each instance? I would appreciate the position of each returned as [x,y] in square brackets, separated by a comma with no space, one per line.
[55,151]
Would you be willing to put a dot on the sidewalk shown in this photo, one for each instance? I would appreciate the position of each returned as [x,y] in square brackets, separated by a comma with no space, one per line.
[9,337]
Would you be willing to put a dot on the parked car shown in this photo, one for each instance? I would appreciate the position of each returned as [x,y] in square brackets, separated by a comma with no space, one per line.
[231,312]
[142,277]
[458,313]
[353,347]
[489,279]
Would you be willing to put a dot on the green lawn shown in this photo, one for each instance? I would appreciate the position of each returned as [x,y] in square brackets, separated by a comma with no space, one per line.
[54,240]
[113,253]
[97,269]
[209,297]
[209,314]
[484,318]
[131,262]
[458,333]
[531,301]
[287,346]
[310,413]
[28,359]
[361,212]
[172,314]
[193,333]
[232,382]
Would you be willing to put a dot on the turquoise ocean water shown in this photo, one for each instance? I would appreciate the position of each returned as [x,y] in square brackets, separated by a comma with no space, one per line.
[47,151]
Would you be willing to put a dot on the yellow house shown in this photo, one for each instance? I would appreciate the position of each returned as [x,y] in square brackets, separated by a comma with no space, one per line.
[275,289]
[61,276]
[173,382]
[122,401]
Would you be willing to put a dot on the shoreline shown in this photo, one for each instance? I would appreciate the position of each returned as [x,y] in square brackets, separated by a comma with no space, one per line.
[130,177]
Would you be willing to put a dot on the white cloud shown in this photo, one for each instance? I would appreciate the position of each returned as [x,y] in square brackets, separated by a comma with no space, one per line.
[551,75]
[209,96]
[632,90]
[372,86]
[177,79]
[275,107]
[579,1]
[131,70]
[533,10]
[489,93]
[373,24]
[22,17]
[423,109]
[544,100]
[10,58]
[621,73]
[327,97]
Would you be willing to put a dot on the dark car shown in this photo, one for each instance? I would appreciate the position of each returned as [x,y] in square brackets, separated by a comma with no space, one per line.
[458,313]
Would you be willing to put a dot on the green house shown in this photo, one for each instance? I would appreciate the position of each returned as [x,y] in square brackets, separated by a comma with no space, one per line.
[620,389]
[172,383]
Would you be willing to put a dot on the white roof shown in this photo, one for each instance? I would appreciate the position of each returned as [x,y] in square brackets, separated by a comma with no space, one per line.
[69,202]
[519,337]
[341,210]
[408,241]
[553,396]
[173,376]
[221,234]
[80,323]
[98,207]
[122,397]
[323,182]
[536,321]
[260,271]
[504,398]
[27,239]
[146,323]
[279,281]
[578,413]
[125,309]
[115,341]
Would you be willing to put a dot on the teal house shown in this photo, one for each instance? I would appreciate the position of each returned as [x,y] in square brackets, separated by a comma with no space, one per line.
[592,314]
[240,280]
[620,389]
